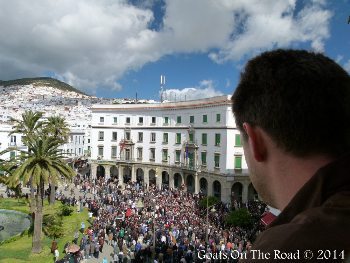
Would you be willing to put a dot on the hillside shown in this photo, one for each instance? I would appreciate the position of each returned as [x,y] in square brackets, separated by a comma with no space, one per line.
[43,82]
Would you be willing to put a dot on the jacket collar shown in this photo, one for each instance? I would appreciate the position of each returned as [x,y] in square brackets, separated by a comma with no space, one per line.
[328,180]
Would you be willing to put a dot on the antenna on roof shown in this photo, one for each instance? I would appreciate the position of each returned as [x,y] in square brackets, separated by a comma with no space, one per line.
[162,83]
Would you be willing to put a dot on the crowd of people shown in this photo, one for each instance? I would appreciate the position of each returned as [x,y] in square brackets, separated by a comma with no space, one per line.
[147,224]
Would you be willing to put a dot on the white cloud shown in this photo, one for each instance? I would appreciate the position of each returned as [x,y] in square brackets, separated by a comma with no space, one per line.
[347,66]
[339,58]
[205,89]
[93,43]
[271,24]
[85,43]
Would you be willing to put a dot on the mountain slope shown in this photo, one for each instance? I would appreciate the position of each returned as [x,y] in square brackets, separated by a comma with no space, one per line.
[44,81]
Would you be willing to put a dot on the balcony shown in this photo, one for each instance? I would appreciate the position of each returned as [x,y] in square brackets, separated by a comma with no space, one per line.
[192,144]
[126,142]
[125,159]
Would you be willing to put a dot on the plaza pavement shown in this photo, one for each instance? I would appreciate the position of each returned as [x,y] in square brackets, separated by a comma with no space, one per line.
[107,249]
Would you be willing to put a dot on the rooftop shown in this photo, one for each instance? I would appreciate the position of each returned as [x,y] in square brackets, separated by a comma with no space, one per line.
[207,102]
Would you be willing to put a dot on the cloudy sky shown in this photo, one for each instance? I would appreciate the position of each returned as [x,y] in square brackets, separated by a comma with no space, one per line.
[115,48]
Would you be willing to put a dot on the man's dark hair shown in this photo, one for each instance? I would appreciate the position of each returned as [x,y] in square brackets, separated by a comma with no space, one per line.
[301,99]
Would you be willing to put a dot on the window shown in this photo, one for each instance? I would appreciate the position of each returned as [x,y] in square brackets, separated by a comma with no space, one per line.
[238,141]
[204,158]
[140,120]
[140,137]
[102,119]
[153,120]
[217,160]
[88,140]
[13,140]
[165,155]
[127,136]
[238,162]
[178,119]
[205,118]
[115,120]
[152,154]
[204,139]
[153,137]
[166,120]
[177,156]
[100,151]
[191,119]
[191,137]
[101,136]
[127,154]
[114,136]
[127,120]
[165,137]
[178,138]
[139,153]
[114,152]
[217,139]
[218,117]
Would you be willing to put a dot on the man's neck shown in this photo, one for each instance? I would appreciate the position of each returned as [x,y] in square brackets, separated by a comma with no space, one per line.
[291,173]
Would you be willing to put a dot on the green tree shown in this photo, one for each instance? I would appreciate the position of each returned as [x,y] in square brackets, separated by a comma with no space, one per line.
[5,169]
[241,218]
[212,200]
[53,226]
[29,126]
[43,164]
[57,128]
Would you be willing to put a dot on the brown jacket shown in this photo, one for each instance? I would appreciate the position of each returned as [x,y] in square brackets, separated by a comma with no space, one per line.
[315,225]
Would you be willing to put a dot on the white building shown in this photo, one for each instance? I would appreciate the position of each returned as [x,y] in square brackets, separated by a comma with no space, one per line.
[195,143]
[76,143]
[13,142]
[75,148]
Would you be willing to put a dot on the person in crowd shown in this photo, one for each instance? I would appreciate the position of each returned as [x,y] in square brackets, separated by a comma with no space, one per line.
[142,223]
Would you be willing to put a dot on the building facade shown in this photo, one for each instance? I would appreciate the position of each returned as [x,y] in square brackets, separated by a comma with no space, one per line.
[194,144]
[12,143]
[76,147]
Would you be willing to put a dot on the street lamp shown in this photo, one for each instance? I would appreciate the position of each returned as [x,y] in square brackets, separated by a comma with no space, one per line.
[154,225]
[207,221]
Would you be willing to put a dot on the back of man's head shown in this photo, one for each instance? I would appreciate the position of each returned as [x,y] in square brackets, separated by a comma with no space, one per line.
[301,99]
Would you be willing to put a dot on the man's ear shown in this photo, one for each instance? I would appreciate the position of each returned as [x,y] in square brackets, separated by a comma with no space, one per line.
[256,142]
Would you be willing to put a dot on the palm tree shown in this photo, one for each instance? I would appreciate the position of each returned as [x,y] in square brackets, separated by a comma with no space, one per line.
[43,164]
[5,170]
[29,126]
[57,128]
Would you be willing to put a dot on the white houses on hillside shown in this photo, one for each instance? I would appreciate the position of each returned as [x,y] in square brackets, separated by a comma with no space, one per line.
[195,143]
